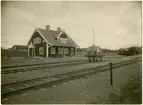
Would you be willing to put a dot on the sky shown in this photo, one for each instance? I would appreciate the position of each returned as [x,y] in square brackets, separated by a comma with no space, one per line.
[116,24]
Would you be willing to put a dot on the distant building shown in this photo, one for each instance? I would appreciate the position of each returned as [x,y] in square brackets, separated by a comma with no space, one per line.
[51,43]
[20,48]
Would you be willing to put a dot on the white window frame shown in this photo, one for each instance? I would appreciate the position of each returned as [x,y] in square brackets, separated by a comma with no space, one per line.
[37,40]
[66,50]
[63,40]
[53,50]
[60,50]
[41,49]
[72,50]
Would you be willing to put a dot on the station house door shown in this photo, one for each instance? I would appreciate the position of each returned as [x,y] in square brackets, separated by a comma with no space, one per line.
[30,52]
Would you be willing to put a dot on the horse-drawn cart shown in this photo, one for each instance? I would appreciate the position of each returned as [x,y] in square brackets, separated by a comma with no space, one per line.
[95,53]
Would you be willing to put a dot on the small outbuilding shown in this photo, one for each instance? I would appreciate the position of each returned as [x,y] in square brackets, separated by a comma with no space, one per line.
[20,48]
[51,43]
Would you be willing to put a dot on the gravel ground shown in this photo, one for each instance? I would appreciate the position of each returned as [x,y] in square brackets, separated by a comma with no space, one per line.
[84,90]
[23,61]
[13,62]
[7,78]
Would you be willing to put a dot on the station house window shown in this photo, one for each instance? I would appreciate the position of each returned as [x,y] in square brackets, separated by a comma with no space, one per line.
[59,50]
[72,50]
[53,50]
[63,40]
[41,50]
[66,51]
[37,40]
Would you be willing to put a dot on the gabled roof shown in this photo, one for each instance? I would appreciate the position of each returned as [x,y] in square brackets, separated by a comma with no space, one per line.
[51,35]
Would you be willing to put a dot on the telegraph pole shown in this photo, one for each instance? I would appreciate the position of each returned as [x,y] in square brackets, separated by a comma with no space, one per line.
[111,74]
[93,37]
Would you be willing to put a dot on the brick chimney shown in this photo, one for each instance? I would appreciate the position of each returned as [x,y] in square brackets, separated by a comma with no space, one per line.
[58,29]
[48,27]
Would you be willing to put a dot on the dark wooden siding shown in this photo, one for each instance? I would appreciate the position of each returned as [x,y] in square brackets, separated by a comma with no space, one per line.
[37,46]
[13,53]
[44,45]
[63,35]
[53,55]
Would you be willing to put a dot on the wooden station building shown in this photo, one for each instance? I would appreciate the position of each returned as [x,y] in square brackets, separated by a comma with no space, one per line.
[51,43]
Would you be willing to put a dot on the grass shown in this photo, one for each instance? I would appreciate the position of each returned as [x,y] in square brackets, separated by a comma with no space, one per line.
[129,93]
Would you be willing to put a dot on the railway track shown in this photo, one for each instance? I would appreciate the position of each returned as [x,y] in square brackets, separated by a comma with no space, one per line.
[30,65]
[21,86]
[34,67]
[41,66]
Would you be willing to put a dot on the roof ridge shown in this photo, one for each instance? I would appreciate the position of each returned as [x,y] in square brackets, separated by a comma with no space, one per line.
[49,30]
[50,36]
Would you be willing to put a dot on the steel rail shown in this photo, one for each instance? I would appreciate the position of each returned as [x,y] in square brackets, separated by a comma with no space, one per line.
[67,73]
[66,77]
[30,65]
[39,67]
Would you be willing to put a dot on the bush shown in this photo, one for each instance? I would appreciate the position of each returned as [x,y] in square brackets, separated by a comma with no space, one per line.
[130,93]
[130,51]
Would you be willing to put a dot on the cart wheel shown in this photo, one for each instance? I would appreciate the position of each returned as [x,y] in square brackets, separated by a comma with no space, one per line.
[93,59]
[96,60]
[89,59]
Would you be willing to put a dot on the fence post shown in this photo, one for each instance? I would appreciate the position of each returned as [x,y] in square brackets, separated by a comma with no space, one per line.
[111,74]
